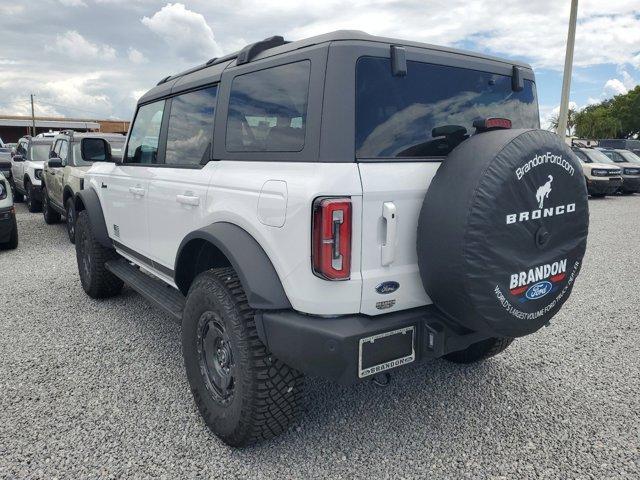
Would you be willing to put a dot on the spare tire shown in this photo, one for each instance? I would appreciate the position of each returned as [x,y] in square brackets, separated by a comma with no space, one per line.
[503,230]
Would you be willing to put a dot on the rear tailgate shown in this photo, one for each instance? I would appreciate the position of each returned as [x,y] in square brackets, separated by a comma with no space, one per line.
[393,193]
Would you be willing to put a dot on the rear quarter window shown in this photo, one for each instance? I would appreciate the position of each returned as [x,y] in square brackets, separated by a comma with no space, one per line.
[268,109]
[396,116]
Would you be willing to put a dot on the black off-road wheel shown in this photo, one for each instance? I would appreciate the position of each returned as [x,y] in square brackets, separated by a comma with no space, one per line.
[17,196]
[244,394]
[50,215]
[71,219]
[96,280]
[480,351]
[32,205]
[12,244]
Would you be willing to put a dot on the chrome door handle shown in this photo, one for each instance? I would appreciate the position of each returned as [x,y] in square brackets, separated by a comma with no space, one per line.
[188,200]
[137,191]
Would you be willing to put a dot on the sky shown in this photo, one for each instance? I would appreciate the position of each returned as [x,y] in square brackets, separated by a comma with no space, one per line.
[95,58]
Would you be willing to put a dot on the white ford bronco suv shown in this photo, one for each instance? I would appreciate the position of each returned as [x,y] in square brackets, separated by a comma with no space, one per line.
[26,170]
[71,156]
[337,206]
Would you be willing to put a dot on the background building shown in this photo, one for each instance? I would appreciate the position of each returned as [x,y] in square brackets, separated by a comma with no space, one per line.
[13,127]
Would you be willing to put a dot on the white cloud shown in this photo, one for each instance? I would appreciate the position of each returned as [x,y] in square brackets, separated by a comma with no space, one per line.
[74,45]
[136,56]
[185,32]
[613,86]
[73,3]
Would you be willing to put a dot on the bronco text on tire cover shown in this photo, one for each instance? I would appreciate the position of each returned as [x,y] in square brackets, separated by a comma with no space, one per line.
[512,218]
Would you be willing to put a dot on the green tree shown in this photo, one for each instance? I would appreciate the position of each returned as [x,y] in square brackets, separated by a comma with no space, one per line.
[571,122]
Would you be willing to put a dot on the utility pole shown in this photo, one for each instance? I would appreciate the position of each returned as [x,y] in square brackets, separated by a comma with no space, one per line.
[566,79]
[33,118]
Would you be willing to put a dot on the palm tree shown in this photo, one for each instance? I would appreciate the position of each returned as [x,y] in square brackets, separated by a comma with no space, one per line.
[571,122]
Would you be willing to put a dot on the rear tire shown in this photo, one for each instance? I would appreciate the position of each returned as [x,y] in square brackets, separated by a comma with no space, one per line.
[71,219]
[479,351]
[598,195]
[244,394]
[50,215]
[96,280]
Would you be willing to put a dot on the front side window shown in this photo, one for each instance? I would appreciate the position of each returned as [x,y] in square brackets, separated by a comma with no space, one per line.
[268,109]
[428,112]
[145,134]
[191,127]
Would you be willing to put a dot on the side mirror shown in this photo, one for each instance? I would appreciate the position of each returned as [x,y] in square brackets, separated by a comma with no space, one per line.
[55,162]
[95,150]
[18,158]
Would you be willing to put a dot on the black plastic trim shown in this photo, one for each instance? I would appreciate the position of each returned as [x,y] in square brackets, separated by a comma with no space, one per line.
[258,277]
[145,260]
[89,198]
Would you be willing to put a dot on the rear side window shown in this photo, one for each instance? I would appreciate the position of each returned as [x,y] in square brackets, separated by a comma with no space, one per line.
[145,133]
[191,127]
[431,110]
[268,109]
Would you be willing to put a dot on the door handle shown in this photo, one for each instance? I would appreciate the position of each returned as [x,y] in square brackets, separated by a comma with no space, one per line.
[389,245]
[188,200]
[139,191]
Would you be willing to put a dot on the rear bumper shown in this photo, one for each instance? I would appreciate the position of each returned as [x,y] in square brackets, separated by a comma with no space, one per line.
[7,224]
[603,186]
[329,347]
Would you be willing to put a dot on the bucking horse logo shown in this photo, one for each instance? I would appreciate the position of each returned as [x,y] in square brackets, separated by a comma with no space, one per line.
[543,192]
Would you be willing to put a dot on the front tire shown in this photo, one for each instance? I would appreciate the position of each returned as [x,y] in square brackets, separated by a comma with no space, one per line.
[50,215]
[32,205]
[243,393]
[479,351]
[12,244]
[97,281]
[17,196]
[71,219]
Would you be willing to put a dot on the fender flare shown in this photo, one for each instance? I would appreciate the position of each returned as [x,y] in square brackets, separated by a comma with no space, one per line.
[88,200]
[257,275]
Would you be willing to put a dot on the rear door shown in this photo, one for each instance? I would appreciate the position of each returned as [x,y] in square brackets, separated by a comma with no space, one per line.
[178,186]
[405,127]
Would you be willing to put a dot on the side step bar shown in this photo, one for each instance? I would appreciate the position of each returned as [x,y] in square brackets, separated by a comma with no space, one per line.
[156,291]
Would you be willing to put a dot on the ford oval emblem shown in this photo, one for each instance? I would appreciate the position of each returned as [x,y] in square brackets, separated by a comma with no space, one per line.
[538,290]
[387,287]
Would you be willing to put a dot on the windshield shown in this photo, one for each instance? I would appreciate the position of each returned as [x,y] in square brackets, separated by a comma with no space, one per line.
[596,156]
[431,110]
[630,156]
[40,152]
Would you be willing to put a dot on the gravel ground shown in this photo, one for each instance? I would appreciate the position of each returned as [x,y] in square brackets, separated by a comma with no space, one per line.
[94,389]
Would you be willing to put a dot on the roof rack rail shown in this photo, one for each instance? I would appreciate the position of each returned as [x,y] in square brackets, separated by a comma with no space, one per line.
[245,55]
[163,80]
[249,52]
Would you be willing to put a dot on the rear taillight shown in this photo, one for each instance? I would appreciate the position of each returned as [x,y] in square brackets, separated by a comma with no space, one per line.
[331,238]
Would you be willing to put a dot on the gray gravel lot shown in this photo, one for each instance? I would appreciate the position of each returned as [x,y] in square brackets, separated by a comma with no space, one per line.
[97,389]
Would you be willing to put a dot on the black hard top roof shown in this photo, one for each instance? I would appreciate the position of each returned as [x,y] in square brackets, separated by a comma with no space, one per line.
[215,66]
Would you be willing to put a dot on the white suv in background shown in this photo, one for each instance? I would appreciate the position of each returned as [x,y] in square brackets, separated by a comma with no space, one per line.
[312,208]
[26,170]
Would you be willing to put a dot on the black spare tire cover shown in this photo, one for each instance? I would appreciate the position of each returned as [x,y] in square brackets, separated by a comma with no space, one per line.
[503,230]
